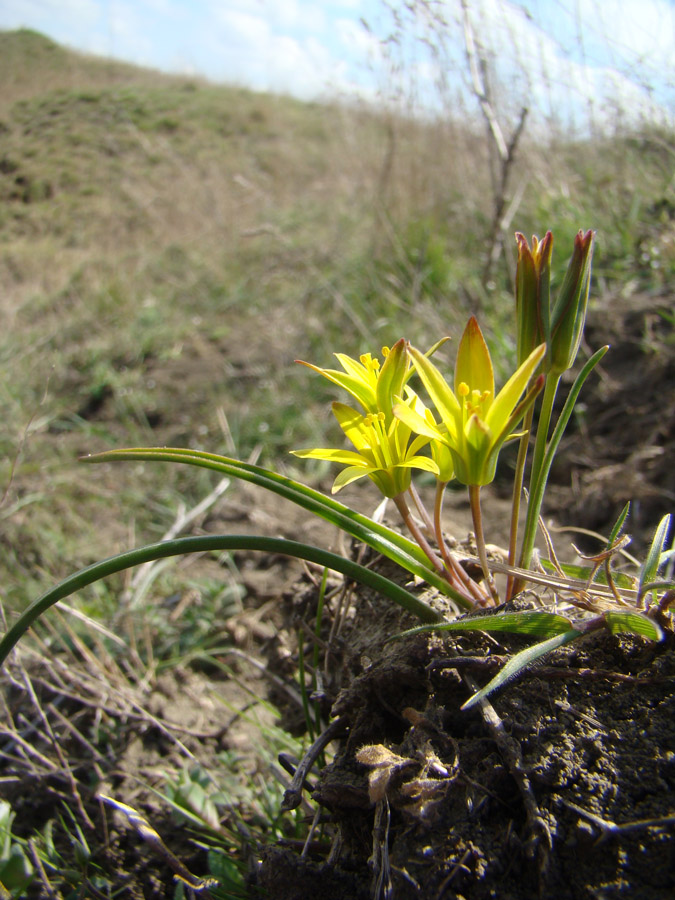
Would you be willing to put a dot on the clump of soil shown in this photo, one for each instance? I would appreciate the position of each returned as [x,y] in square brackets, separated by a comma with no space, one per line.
[560,787]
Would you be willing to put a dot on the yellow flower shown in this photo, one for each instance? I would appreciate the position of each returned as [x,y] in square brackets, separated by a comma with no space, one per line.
[475,423]
[384,452]
[373,385]
[376,387]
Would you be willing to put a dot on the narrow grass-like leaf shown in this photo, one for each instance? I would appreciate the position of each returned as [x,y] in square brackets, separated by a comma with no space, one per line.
[618,525]
[535,622]
[652,563]
[519,662]
[207,544]
[539,488]
[583,573]
[383,540]
[633,623]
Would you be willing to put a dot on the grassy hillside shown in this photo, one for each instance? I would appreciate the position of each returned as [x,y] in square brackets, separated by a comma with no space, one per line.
[168,248]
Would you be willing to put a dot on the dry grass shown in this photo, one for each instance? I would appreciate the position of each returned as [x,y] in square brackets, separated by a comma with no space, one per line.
[167,249]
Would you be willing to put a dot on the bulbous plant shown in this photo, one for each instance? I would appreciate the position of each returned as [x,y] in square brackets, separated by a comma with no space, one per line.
[456,435]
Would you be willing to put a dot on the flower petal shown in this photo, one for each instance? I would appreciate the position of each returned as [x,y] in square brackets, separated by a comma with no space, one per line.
[350,422]
[505,402]
[392,377]
[420,462]
[354,383]
[416,423]
[440,392]
[346,476]
[348,457]
[474,366]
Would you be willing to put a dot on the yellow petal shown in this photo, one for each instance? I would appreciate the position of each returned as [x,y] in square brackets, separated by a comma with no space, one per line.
[416,423]
[474,366]
[438,389]
[348,457]
[350,422]
[506,401]
[346,476]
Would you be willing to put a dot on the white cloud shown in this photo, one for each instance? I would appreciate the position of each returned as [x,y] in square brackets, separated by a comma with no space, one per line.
[29,10]
[307,48]
[70,17]
[570,64]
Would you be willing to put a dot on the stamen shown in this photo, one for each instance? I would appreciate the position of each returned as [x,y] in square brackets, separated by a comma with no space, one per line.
[367,361]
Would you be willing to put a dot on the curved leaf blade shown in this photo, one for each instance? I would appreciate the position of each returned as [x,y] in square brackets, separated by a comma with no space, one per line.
[535,622]
[585,573]
[206,544]
[633,623]
[519,662]
[382,539]
[652,563]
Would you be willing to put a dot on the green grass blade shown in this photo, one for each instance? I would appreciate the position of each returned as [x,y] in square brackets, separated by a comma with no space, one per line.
[519,662]
[382,539]
[633,623]
[618,525]
[652,563]
[584,573]
[535,622]
[539,488]
[206,544]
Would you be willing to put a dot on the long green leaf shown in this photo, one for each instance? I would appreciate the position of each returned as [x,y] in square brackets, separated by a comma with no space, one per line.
[527,622]
[539,485]
[519,662]
[633,623]
[583,573]
[618,525]
[382,539]
[206,544]
[652,563]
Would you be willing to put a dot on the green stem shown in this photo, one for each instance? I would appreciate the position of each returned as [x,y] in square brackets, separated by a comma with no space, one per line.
[317,636]
[474,500]
[518,480]
[208,544]
[537,478]
[537,495]
[303,684]
[543,427]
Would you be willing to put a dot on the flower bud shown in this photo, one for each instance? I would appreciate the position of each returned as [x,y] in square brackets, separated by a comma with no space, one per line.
[533,277]
[569,312]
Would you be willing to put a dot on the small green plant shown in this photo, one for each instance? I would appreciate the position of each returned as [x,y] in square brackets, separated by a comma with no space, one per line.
[73,873]
[16,870]
[409,419]
[394,432]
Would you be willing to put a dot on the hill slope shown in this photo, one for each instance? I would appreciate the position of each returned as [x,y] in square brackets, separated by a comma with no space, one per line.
[168,248]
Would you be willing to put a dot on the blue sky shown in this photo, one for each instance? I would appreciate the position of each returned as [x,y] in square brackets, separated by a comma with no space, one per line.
[556,54]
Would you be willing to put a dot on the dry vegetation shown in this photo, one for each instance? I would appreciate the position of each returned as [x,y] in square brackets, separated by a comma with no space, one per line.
[169,247]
